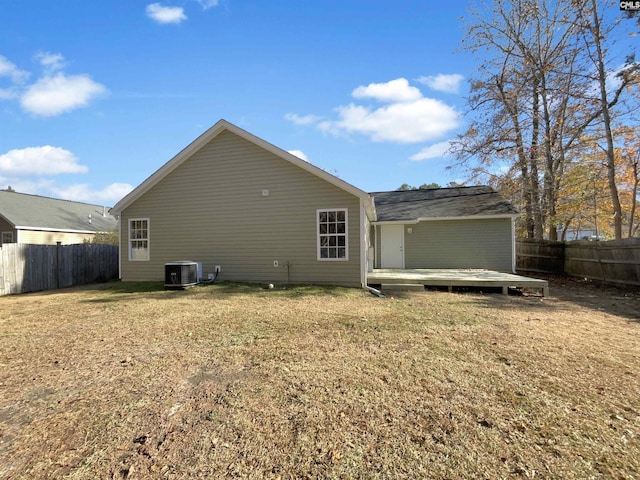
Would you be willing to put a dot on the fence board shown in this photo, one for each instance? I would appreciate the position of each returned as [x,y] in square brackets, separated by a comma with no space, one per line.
[29,268]
[540,257]
[616,261]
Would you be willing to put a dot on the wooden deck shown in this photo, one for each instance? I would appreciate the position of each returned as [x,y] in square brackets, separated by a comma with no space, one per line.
[418,279]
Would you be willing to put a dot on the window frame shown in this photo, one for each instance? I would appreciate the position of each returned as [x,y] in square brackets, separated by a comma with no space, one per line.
[336,235]
[147,239]
[2,242]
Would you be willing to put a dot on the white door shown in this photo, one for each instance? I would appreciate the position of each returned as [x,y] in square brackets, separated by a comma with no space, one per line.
[392,246]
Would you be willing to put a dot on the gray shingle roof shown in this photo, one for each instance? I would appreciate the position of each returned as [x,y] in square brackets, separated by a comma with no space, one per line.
[441,202]
[23,210]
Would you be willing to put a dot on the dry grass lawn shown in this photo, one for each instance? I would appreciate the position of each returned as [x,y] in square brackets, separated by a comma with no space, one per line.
[233,381]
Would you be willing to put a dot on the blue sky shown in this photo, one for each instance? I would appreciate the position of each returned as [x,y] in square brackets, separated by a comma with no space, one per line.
[97,95]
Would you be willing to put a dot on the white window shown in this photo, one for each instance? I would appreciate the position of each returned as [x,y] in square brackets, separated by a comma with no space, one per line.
[7,237]
[332,234]
[139,239]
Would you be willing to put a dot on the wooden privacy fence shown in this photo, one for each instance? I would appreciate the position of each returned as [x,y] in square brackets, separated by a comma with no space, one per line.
[540,256]
[29,268]
[615,261]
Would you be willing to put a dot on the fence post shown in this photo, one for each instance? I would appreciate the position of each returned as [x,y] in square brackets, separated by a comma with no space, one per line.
[58,246]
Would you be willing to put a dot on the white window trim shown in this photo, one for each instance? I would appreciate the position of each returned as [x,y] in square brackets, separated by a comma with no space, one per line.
[346,234]
[129,239]
[2,238]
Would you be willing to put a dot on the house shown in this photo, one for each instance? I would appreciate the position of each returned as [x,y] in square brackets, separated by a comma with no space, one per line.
[261,214]
[461,227]
[34,219]
[233,200]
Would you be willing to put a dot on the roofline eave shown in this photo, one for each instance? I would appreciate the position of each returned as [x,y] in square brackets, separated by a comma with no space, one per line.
[61,230]
[413,221]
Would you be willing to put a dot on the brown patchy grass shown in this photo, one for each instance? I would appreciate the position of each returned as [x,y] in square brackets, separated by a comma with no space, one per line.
[130,381]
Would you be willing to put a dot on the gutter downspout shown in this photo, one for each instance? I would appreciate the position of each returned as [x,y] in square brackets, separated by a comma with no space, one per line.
[513,245]
[120,247]
[363,245]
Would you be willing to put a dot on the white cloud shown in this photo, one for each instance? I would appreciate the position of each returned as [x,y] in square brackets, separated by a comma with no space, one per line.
[8,69]
[437,150]
[397,90]
[612,83]
[162,14]
[19,184]
[207,4]
[409,117]
[46,160]
[302,120]
[52,62]
[443,82]
[8,93]
[82,192]
[60,93]
[53,93]
[299,153]
[408,122]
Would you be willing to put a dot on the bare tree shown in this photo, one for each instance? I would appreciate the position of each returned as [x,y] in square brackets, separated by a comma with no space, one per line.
[594,32]
[524,90]
[532,100]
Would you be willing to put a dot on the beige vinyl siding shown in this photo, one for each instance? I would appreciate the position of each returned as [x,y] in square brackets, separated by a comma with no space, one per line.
[211,209]
[460,244]
[378,249]
[368,242]
[38,237]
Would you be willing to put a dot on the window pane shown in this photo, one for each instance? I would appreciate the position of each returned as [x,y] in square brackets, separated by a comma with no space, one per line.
[332,233]
[139,239]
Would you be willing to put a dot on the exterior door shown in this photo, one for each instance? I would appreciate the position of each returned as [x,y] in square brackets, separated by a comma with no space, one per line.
[392,246]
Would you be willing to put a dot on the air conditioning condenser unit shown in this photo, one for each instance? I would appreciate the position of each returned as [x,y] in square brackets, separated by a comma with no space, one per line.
[181,274]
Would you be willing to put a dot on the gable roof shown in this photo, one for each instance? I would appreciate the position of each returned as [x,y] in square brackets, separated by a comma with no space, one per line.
[213,132]
[34,212]
[441,203]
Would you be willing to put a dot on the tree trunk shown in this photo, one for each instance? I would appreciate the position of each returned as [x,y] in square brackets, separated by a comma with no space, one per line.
[538,223]
[634,197]
[606,120]
[564,230]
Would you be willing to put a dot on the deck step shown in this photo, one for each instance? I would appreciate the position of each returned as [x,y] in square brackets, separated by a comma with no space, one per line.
[402,287]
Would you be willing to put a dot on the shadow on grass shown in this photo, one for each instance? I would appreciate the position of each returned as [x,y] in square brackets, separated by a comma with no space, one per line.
[124,291]
[615,300]
[567,291]
[286,291]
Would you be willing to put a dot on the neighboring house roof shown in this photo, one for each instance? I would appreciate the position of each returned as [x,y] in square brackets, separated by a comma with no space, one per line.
[441,203]
[34,212]
[213,132]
